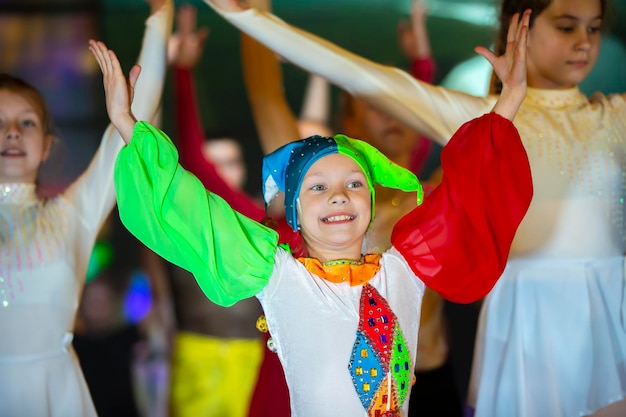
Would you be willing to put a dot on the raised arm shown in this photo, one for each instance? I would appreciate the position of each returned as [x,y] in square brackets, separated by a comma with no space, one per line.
[430,110]
[94,193]
[415,43]
[185,51]
[315,112]
[169,210]
[275,122]
[458,240]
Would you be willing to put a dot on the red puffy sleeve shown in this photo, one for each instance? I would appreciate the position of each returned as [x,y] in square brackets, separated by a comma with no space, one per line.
[459,239]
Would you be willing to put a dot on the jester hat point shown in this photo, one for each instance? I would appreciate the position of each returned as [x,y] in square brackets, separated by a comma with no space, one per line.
[285,168]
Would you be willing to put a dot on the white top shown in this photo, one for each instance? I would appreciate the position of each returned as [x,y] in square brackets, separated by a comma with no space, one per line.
[45,247]
[319,379]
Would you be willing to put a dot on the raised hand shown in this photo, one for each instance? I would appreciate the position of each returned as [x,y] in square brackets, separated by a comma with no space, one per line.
[185,46]
[413,35]
[117,89]
[510,68]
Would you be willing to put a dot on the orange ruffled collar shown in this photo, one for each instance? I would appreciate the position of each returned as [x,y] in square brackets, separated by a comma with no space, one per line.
[340,271]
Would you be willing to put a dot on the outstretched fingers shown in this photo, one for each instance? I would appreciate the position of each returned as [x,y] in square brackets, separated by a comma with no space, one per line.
[419,9]
[112,73]
[186,19]
[518,33]
[186,44]
[516,49]
[511,66]
[118,90]
[99,51]
[519,25]
[107,61]
[133,76]
[116,68]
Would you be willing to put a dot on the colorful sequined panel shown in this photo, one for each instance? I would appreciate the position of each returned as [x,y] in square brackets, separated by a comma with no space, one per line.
[380,364]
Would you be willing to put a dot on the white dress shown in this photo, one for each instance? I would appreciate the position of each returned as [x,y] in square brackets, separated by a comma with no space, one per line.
[313,323]
[552,338]
[45,247]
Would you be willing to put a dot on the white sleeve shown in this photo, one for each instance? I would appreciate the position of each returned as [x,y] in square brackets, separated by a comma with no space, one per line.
[432,111]
[93,193]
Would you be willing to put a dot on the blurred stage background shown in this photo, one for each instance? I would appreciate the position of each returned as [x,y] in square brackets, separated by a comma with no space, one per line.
[45,42]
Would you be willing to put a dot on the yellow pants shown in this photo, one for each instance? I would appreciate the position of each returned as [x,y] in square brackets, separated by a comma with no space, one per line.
[213,377]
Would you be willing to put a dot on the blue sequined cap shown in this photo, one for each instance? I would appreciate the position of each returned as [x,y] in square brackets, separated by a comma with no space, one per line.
[285,168]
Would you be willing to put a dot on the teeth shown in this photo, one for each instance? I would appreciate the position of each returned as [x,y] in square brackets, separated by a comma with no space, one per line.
[12,152]
[341,218]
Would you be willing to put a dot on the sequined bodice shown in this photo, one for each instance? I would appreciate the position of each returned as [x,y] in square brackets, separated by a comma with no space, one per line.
[38,288]
[576,152]
[45,247]
[32,235]
[351,338]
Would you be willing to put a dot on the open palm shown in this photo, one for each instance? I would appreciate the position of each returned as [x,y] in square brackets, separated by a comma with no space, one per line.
[510,67]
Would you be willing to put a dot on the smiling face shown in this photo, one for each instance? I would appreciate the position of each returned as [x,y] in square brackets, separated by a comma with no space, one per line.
[334,208]
[24,143]
[563,43]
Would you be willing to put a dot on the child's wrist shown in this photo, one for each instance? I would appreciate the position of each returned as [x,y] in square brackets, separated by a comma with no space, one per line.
[125,125]
[509,102]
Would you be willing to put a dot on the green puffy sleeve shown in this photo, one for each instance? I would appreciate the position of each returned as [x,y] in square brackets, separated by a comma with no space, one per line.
[168,209]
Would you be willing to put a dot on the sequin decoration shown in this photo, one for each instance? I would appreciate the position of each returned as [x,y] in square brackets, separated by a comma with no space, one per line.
[271,345]
[261,324]
[380,363]
[31,233]
[576,146]
[339,271]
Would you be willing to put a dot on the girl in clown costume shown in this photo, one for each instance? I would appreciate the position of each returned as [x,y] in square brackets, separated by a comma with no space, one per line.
[551,337]
[344,323]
